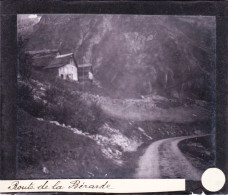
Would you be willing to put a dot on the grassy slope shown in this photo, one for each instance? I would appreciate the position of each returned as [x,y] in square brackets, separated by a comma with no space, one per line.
[199,151]
[61,151]
[69,155]
[154,108]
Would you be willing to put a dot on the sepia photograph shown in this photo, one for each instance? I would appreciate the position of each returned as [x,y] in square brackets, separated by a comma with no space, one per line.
[115,96]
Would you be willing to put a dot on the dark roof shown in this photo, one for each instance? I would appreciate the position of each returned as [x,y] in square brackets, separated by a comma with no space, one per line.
[41,62]
[44,51]
[59,62]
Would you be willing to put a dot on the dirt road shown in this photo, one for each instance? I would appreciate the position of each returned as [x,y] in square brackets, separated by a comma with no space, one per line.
[163,159]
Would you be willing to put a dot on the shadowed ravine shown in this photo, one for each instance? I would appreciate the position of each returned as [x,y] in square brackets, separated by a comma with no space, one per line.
[177,165]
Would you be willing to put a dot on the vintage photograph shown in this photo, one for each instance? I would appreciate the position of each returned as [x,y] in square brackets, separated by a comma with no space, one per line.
[115,96]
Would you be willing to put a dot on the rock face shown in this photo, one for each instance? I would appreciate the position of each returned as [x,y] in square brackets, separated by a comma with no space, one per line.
[26,22]
[136,55]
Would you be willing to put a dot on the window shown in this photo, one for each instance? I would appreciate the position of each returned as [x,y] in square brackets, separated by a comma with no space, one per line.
[61,76]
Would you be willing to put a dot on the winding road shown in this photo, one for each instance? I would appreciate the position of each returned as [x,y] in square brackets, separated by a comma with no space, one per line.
[163,159]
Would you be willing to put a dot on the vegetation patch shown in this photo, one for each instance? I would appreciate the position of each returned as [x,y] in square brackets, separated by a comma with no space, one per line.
[199,151]
[47,151]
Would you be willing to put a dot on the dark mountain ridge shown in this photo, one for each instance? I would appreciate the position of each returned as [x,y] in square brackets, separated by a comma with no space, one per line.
[136,55]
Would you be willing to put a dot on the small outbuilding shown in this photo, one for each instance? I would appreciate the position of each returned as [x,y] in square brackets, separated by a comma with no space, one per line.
[85,72]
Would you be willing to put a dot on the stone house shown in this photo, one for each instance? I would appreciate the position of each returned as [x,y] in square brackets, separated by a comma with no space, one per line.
[66,67]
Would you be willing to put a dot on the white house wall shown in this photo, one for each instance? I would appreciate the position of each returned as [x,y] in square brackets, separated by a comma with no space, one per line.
[68,69]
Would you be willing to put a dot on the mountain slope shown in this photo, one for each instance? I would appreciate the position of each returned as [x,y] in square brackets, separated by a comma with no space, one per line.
[134,55]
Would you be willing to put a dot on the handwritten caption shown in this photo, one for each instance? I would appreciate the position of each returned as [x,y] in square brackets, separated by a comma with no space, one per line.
[93,185]
[58,185]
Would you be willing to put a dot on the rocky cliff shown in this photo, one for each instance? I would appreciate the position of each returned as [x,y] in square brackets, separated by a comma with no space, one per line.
[137,55]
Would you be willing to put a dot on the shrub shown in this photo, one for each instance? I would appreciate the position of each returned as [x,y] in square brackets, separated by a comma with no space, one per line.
[63,106]
[27,102]
[51,94]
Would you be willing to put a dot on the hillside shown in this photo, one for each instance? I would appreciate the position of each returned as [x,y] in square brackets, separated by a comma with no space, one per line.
[153,108]
[48,151]
[62,130]
[136,55]
[153,80]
